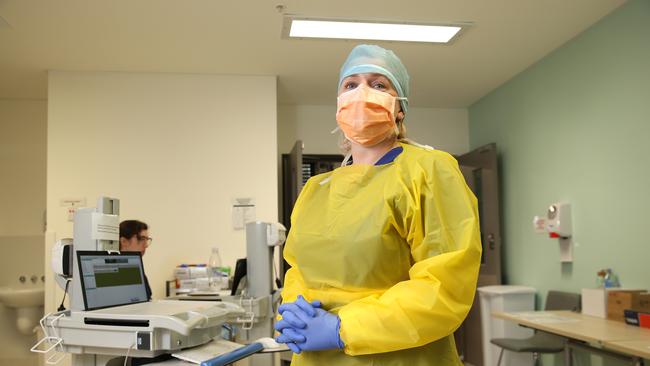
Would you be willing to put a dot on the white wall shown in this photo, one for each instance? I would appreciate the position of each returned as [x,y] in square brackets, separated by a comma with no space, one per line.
[174,148]
[444,129]
[22,160]
[22,205]
[310,123]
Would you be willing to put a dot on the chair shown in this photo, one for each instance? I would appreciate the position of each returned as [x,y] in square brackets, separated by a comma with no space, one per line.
[541,342]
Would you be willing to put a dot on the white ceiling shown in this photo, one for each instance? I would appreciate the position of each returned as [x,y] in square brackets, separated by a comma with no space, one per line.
[244,37]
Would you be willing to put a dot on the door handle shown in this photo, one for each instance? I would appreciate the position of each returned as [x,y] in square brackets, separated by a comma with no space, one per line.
[490,239]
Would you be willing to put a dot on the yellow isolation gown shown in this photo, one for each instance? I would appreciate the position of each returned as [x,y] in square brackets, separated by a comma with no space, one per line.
[395,251]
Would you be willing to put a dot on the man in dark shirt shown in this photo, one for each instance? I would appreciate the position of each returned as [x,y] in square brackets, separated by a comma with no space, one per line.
[134,237]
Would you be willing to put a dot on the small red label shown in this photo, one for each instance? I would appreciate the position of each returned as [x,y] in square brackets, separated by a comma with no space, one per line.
[553,235]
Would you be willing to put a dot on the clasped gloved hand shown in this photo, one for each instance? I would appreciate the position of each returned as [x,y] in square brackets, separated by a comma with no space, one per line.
[307,327]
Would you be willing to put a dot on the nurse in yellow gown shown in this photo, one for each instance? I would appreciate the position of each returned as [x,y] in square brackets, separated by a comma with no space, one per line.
[385,251]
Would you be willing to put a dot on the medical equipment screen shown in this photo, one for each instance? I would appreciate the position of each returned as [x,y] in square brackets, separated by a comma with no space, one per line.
[111,279]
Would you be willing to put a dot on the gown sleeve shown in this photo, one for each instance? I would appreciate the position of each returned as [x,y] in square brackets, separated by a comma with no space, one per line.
[439,221]
[294,284]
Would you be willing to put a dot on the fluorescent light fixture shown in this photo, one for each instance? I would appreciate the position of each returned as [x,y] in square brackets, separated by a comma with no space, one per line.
[367,30]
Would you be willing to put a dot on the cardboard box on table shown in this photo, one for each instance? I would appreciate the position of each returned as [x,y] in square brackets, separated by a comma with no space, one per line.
[595,301]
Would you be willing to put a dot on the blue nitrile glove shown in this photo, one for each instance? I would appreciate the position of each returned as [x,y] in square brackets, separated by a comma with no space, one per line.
[290,321]
[308,308]
[320,333]
[289,337]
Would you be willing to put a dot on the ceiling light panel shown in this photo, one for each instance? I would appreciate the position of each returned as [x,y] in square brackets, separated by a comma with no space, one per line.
[369,30]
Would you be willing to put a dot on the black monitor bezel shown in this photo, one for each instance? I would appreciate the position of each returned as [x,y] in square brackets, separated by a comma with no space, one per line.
[107,253]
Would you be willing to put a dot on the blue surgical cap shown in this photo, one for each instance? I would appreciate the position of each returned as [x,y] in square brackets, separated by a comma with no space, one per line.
[368,58]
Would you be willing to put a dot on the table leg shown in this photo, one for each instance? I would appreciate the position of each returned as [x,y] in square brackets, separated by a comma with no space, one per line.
[568,360]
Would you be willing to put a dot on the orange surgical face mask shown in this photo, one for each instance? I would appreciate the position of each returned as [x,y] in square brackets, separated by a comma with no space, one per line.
[366,115]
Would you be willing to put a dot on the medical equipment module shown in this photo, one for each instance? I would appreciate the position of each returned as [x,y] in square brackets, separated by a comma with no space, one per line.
[143,329]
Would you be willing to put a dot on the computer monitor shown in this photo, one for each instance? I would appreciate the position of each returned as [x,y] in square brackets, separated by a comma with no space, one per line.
[111,279]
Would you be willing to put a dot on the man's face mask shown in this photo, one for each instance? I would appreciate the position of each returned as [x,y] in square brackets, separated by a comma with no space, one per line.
[365,115]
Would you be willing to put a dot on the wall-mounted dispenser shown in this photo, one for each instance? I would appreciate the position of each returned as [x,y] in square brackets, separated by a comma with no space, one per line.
[557,224]
[558,221]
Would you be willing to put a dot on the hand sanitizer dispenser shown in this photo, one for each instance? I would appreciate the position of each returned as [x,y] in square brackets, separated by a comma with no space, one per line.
[557,224]
[558,221]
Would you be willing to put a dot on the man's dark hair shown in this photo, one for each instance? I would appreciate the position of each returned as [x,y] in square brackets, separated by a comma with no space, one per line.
[131,228]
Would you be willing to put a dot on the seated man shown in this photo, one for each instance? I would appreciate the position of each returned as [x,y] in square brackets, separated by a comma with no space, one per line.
[134,237]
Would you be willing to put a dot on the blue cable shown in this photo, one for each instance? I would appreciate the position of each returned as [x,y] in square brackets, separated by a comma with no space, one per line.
[233,356]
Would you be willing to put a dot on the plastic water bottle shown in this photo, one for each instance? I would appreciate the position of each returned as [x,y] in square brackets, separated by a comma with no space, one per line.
[214,269]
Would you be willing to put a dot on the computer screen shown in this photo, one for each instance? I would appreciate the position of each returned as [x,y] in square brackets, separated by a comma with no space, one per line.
[111,279]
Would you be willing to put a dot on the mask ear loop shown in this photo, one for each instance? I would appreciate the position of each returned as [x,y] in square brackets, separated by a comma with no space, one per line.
[411,142]
[408,140]
[347,156]
[396,125]
[346,160]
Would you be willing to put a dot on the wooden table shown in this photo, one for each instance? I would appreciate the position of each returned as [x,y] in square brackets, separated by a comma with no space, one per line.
[640,348]
[598,335]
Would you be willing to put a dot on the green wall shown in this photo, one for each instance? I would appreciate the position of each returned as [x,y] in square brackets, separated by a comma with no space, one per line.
[575,127]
